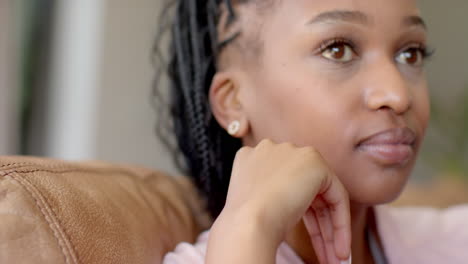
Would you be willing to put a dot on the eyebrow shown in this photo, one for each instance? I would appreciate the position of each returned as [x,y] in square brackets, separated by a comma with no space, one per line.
[359,17]
[414,21]
[340,16]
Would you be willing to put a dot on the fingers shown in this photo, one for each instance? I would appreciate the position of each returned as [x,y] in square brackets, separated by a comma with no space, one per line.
[337,201]
[328,222]
[315,235]
[323,217]
[320,228]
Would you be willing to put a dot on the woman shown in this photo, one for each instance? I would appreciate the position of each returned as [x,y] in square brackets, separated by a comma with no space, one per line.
[327,101]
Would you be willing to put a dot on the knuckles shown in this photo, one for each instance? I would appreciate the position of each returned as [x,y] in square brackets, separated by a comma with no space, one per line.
[265,143]
[242,152]
[271,151]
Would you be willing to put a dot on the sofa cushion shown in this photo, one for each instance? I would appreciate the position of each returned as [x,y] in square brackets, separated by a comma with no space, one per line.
[64,212]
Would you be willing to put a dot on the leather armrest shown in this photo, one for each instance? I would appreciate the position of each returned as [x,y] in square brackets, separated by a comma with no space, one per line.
[64,212]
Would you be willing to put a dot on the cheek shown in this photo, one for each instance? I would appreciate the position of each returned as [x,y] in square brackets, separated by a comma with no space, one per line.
[306,111]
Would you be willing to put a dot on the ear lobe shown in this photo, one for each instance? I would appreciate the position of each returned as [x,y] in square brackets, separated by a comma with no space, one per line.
[225,103]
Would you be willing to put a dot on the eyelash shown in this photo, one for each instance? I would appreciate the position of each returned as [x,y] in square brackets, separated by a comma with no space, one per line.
[426,52]
[329,43]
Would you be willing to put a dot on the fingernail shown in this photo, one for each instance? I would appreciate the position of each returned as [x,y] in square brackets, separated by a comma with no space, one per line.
[349,261]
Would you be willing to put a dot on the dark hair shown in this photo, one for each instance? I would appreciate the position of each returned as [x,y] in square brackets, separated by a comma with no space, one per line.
[207,150]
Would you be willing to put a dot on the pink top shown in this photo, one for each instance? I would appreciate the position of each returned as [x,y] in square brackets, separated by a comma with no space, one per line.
[409,235]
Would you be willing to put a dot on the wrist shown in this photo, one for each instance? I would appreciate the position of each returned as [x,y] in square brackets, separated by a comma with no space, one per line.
[242,231]
[251,222]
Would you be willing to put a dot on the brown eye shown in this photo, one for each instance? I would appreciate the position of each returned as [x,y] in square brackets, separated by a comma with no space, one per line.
[339,52]
[412,57]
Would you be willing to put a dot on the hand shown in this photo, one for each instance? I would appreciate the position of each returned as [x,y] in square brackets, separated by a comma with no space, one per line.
[280,184]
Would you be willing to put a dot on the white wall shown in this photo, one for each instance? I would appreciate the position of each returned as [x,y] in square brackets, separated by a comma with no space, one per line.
[127,120]
[74,80]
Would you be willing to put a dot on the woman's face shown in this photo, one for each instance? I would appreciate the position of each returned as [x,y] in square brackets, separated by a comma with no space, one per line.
[346,77]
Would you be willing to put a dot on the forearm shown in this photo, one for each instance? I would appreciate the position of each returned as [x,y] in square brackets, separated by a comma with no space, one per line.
[240,239]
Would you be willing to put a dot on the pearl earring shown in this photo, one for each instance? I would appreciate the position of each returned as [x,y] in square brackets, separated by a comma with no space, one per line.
[234,128]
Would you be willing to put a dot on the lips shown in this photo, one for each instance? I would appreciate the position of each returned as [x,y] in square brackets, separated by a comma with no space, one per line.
[390,147]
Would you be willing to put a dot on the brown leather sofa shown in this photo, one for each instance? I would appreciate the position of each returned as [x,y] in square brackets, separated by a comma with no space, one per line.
[64,212]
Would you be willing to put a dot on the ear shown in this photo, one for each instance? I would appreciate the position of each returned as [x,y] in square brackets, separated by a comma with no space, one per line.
[225,103]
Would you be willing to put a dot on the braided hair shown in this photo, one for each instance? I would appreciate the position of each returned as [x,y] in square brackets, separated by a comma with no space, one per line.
[201,146]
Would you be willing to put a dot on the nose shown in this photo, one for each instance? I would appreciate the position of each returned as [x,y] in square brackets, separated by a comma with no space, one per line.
[388,89]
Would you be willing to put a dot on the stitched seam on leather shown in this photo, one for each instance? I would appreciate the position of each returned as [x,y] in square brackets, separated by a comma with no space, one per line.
[25,165]
[64,167]
[10,164]
[69,167]
[50,217]
[14,164]
[60,166]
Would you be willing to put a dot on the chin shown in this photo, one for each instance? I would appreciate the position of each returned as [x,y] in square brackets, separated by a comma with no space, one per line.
[381,186]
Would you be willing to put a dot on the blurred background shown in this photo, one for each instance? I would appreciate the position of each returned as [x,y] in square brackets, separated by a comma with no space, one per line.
[76,76]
